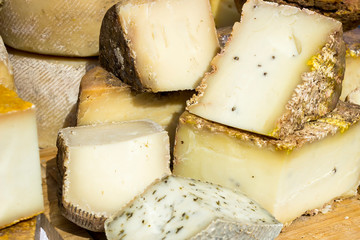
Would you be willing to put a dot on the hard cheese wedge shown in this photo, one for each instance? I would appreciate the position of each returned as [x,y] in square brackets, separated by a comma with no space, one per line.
[273,76]
[180,208]
[157,46]
[6,71]
[287,177]
[20,178]
[105,166]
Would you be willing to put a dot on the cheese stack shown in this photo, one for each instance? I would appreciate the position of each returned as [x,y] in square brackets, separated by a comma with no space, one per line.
[6,71]
[20,177]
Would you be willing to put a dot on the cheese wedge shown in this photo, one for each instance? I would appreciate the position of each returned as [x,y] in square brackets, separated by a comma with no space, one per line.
[104,166]
[225,12]
[287,177]
[6,71]
[180,208]
[20,177]
[52,84]
[158,46]
[273,76]
[61,28]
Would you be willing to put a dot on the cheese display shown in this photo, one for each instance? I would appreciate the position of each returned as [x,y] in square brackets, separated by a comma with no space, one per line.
[52,84]
[272,77]
[301,172]
[20,178]
[104,166]
[225,12]
[180,208]
[61,28]
[6,72]
[158,46]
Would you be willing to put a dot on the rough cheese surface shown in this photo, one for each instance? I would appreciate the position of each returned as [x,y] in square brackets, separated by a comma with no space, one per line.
[104,166]
[180,208]
[6,71]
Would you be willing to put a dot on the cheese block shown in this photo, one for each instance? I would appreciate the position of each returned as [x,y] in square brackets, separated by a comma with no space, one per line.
[180,208]
[52,84]
[6,71]
[61,28]
[287,177]
[104,98]
[158,46]
[20,177]
[104,166]
[225,12]
[272,77]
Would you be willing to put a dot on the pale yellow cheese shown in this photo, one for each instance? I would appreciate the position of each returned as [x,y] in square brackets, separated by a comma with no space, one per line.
[225,12]
[6,72]
[20,177]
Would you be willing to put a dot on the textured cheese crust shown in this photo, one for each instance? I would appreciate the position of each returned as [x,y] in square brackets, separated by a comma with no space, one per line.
[6,72]
[62,28]
[52,84]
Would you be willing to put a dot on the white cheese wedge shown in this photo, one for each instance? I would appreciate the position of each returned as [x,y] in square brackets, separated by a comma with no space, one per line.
[225,12]
[104,166]
[158,46]
[52,84]
[6,71]
[281,68]
[180,208]
[287,177]
[20,177]
[61,28]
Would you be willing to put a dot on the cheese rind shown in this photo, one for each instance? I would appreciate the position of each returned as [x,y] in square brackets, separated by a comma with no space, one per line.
[104,166]
[160,45]
[6,72]
[180,208]
[272,77]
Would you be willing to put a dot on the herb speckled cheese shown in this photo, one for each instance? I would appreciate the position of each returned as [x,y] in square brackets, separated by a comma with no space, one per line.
[6,71]
[179,208]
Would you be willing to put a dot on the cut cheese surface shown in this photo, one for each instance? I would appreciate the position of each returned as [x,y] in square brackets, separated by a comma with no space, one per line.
[104,166]
[180,208]
[225,12]
[265,78]
[52,84]
[20,177]
[61,28]
[158,46]
[287,177]
[6,71]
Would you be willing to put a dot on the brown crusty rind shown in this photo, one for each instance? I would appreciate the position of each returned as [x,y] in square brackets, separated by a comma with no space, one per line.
[82,218]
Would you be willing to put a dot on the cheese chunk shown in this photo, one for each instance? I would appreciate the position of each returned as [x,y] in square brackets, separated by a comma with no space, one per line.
[52,84]
[61,28]
[287,177]
[180,208]
[273,76]
[105,166]
[20,177]
[158,46]
[225,12]
[6,72]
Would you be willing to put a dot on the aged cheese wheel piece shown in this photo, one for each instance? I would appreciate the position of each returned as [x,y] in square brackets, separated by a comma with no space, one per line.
[158,46]
[6,71]
[20,177]
[52,84]
[104,166]
[225,12]
[273,77]
[178,208]
[287,177]
[62,28]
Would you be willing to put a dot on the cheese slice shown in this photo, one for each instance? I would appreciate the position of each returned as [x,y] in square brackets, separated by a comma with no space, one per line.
[273,76]
[52,84]
[225,12]
[287,177]
[20,177]
[6,72]
[180,208]
[158,46]
[104,166]
[62,28]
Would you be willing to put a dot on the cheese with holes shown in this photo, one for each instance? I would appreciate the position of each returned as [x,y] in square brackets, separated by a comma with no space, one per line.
[61,28]
[273,76]
[104,166]
[20,177]
[180,208]
[6,72]
[158,46]
[104,98]
[52,84]
[287,177]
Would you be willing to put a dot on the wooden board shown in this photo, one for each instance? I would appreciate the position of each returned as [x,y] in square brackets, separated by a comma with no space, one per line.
[342,222]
